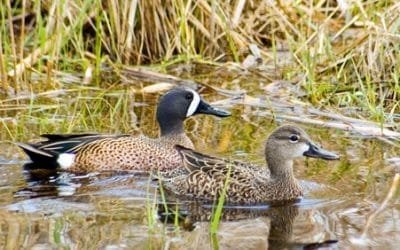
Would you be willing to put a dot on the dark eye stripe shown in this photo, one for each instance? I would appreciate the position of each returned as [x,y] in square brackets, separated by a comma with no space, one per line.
[287,137]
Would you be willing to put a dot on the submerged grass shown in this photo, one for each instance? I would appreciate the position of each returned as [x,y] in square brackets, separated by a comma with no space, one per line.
[217,213]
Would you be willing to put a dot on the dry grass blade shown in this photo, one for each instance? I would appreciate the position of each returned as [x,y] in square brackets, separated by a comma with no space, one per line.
[151,76]
[290,111]
[3,73]
[130,35]
[30,60]
[157,88]
[166,81]
[238,12]
[238,38]
[372,131]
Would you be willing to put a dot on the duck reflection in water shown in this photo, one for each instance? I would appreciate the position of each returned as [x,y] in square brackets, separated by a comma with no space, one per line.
[278,226]
[46,183]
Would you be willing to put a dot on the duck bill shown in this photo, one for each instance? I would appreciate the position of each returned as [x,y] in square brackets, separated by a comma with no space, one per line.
[205,108]
[318,152]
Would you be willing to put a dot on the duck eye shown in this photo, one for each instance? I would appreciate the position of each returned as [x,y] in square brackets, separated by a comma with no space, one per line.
[294,138]
[189,96]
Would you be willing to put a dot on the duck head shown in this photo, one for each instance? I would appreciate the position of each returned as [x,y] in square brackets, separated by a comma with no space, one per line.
[180,103]
[289,142]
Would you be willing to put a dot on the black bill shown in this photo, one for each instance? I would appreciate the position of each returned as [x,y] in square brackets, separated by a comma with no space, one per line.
[318,152]
[205,108]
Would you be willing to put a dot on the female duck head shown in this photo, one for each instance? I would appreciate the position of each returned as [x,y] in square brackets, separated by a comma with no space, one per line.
[178,104]
[289,142]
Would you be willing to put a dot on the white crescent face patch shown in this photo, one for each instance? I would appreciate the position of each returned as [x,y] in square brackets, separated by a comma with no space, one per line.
[194,104]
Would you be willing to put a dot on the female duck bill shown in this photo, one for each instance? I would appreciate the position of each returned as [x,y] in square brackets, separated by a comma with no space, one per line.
[315,151]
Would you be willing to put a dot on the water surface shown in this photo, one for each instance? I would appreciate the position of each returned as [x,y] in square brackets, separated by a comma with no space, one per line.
[125,210]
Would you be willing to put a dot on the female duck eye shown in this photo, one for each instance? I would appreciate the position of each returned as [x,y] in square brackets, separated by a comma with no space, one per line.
[294,138]
[189,96]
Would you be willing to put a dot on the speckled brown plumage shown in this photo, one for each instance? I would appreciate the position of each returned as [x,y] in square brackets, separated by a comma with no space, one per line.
[94,152]
[204,176]
[130,153]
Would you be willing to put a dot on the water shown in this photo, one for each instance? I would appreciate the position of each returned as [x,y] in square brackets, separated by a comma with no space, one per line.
[124,210]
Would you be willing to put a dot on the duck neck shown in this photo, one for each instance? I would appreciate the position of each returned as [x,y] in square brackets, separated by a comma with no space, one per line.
[176,137]
[281,169]
[282,178]
[171,127]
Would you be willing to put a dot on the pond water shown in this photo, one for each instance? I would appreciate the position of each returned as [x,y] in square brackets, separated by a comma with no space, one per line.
[125,210]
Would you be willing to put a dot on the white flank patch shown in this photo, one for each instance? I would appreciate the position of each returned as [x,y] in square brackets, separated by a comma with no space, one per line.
[194,104]
[65,160]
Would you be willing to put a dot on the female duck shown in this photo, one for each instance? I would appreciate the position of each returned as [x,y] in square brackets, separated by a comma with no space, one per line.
[94,152]
[205,176]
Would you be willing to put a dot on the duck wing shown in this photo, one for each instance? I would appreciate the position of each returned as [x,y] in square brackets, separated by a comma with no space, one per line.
[193,160]
[206,176]
[56,144]
[69,143]
[61,137]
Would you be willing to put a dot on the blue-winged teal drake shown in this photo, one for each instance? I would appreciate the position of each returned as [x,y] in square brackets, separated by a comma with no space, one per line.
[94,152]
[203,177]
